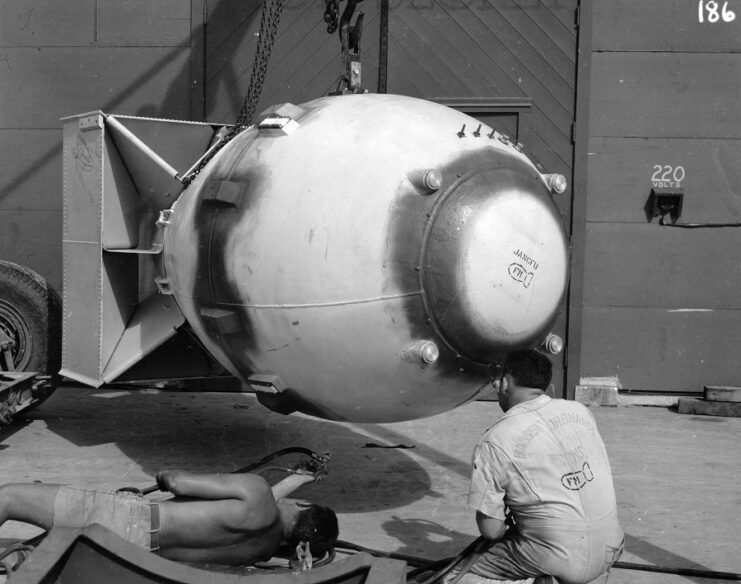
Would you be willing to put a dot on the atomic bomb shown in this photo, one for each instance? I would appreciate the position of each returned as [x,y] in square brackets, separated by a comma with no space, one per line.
[367,257]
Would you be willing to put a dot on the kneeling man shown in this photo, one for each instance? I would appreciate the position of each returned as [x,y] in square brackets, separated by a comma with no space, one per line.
[541,485]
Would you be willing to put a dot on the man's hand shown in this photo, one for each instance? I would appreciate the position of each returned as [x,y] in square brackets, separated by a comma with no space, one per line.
[313,470]
[305,472]
[166,480]
[491,528]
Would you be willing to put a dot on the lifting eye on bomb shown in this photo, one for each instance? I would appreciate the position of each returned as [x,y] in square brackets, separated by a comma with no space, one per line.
[553,344]
[426,352]
[427,181]
[556,182]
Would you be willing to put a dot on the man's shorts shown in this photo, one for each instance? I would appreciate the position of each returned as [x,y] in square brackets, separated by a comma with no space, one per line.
[470,578]
[126,514]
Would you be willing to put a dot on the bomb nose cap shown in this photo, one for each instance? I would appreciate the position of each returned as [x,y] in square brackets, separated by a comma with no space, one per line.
[495,263]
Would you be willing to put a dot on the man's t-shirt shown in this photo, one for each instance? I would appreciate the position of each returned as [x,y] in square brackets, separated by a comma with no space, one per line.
[545,461]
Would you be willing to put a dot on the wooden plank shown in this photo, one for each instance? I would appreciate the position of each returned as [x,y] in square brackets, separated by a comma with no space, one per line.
[555,136]
[37,87]
[669,25]
[148,23]
[635,265]
[533,34]
[21,241]
[722,394]
[31,170]
[498,79]
[701,407]
[401,81]
[557,20]
[406,78]
[660,350]
[447,80]
[449,59]
[47,23]
[621,172]
[670,95]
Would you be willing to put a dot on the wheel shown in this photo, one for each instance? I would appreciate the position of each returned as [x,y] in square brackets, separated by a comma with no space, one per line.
[30,316]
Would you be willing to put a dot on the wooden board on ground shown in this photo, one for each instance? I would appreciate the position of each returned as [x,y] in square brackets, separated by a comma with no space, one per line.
[719,393]
[709,408]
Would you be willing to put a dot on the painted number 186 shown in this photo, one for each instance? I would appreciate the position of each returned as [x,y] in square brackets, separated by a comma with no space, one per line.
[708,12]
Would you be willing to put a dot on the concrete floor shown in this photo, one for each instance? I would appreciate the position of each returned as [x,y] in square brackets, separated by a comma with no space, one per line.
[677,477]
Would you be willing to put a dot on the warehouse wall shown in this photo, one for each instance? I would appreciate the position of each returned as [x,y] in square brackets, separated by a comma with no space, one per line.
[63,57]
[661,306]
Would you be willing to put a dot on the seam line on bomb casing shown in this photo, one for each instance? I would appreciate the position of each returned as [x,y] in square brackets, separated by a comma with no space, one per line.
[321,304]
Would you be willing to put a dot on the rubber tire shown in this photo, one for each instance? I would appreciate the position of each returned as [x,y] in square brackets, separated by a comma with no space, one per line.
[30,312]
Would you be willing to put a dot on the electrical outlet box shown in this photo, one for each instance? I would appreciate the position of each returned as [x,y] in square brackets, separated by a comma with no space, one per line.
[665,201]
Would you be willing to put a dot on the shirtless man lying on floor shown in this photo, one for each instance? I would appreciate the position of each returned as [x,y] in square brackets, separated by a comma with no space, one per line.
[236,519]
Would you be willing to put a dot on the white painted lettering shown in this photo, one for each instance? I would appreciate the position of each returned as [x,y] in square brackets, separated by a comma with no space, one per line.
[708,11]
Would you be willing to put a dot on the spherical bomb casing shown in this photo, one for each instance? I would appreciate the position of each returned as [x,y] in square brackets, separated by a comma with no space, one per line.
[315,254]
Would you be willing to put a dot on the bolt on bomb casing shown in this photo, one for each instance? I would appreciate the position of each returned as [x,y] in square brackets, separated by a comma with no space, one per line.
[366,257]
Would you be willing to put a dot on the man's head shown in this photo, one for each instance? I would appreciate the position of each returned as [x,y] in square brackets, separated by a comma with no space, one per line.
[525,369]
[528,368]
[314,524]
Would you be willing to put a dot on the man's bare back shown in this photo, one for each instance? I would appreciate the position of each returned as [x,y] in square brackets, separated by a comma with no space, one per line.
[227,519]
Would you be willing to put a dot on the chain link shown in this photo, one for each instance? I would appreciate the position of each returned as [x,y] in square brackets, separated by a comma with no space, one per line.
[332,14]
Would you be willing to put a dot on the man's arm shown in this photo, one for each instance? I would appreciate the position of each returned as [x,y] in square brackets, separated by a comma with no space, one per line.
[211,486]
[289,484]
[491,528]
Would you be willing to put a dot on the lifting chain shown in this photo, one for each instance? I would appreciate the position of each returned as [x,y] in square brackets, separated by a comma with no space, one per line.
[332,14]
[271,12]
[268,29]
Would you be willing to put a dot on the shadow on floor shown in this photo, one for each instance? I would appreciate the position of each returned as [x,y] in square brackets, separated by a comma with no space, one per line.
[221,433]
